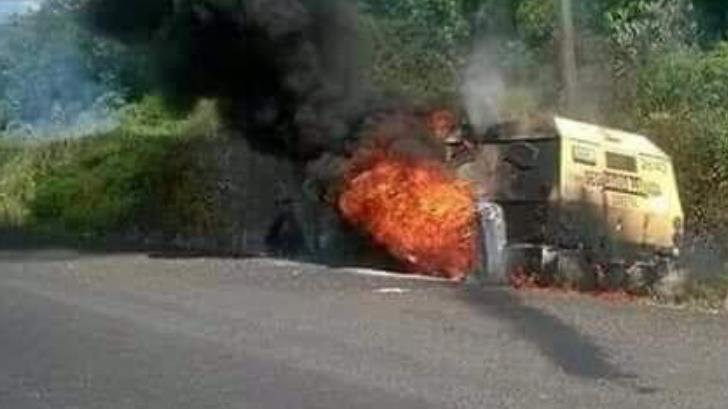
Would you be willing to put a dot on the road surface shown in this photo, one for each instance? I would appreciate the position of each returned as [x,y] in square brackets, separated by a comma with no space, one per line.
[130,331]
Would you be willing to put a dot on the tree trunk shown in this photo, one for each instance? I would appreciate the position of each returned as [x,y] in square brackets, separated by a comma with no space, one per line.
[568,55]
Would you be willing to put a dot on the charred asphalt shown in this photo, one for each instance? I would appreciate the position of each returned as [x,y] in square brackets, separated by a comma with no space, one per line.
[133,331]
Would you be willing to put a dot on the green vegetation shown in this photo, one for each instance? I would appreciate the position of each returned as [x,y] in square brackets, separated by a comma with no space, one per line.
[681,100]
[710,292]
[147,174]
[56,77]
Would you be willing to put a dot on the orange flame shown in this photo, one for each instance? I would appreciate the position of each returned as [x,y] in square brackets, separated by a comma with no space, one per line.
[441,123]
[416,209]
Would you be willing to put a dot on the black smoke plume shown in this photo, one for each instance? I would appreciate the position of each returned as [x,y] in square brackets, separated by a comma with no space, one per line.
[286,72]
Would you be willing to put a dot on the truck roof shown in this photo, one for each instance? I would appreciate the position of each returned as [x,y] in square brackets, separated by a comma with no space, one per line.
[606,137]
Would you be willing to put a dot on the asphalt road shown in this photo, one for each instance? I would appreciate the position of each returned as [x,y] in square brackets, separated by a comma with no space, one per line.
[135,332]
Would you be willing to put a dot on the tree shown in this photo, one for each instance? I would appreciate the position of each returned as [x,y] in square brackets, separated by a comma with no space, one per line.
[418,46]
[55,73]
[713,17]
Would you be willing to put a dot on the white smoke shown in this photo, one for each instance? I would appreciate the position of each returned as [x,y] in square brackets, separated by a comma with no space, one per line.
[47,88]
[12,7]
[482,88]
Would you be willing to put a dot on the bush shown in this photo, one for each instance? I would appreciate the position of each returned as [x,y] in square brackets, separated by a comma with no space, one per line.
[107,183]
[17,184]
[681,101]
[405,62]
[149,174]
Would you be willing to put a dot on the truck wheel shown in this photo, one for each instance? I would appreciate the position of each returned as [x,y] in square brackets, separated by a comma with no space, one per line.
[640,278]
[574,271]
[615,277]
[670,281]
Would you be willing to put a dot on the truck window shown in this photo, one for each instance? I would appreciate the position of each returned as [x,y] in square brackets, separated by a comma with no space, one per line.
[625,163]
[522,155]
[584,155]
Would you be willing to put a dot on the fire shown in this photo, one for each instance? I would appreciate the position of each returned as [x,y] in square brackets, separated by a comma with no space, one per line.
[440,123]
[415,208]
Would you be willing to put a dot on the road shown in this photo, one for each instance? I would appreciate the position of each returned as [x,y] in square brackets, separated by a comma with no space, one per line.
[131,331]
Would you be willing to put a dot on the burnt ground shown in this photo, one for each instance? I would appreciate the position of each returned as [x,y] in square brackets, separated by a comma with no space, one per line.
[130,331]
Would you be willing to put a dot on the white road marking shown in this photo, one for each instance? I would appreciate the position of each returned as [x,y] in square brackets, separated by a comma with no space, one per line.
[388,274]
[391,290]
[360,271]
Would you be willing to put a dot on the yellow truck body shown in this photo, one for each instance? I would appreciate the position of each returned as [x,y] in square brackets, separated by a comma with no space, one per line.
[576,193]
[623,180]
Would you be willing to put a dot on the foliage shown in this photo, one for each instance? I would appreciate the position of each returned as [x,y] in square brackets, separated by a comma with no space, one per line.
[418,47]
[537,20]
[404,63]
[709,292]
[421,49]
[148,174]
[57,77]
[641,29]
[713,19]
[443,20]
[17,184]
[682,98]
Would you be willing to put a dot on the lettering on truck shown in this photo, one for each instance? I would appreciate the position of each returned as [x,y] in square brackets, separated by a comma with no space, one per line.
[616,182]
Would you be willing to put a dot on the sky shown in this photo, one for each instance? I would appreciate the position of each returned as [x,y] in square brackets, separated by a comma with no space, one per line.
[9,7]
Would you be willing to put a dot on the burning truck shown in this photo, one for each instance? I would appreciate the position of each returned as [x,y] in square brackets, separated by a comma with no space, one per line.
[528,199]
[286,78]
[547,202]
[575,204]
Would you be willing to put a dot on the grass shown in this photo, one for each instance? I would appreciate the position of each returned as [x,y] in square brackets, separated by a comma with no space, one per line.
[17,184]
[706,292]
[148,174]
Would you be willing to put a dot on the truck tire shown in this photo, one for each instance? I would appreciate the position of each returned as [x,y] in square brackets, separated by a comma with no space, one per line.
[641,278]
[670,281]
[575,272]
